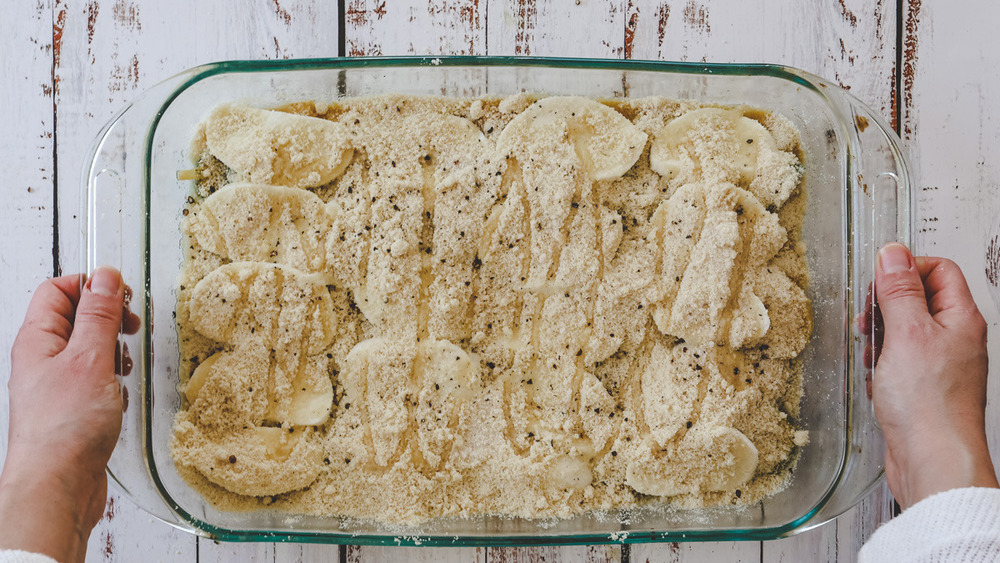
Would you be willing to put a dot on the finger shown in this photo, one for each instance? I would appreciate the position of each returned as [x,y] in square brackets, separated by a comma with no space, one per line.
[899,291]
[48,321]
[99,313]
[947,289]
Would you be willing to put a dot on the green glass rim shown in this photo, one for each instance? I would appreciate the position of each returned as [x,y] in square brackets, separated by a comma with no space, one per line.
[197,74]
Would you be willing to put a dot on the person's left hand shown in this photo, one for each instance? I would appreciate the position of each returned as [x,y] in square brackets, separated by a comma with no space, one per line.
[65,413]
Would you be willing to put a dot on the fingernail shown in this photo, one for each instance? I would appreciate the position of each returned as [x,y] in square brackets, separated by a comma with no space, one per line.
[105,281]
[894,258]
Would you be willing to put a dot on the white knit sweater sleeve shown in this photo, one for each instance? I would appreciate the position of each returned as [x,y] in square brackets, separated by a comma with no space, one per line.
[960,525]
[18,556]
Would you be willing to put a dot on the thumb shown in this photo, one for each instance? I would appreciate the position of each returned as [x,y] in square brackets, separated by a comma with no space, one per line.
[99,312]
[899,289]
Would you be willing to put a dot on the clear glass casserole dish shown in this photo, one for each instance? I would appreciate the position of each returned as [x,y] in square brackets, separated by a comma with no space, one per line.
[859,197]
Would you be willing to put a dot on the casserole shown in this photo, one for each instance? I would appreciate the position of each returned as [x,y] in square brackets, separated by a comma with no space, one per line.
[858,188]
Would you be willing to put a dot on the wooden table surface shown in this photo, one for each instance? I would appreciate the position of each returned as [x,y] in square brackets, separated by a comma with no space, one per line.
[929,66]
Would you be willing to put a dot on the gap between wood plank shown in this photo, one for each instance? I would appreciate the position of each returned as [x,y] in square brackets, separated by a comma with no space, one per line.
[897,95]
[342,39]
[56,268]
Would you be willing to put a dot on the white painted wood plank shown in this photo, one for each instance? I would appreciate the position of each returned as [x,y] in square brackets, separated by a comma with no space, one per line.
[378,554]
[857,525]
[700,552]
[291,553]
[213,551]
[556,28]
[126,531]
[546,554]
[414,27]
[814,545]
[26,154]
[418,27]
[109,53]
[951,124]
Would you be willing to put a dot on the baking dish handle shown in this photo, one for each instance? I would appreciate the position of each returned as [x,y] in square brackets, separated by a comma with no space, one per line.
[883,208]
[114,235]
[879,197]
[883,185]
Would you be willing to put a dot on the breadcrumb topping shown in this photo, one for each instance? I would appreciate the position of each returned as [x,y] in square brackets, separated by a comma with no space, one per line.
[398,308]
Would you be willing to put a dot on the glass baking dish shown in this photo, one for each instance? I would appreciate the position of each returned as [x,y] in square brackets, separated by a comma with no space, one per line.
[859,196]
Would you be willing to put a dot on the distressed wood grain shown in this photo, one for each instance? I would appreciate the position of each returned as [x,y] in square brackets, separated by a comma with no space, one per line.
[556,28]
[690,552]
[856,526]
[951,123]
[741,552]
[544,554]
[413,27]
[813,545]
[306,552]
[209,550]
[26,151]
[378,554]
[126,532]
[449,27]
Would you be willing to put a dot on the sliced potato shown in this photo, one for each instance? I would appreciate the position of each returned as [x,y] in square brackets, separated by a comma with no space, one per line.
[255,461]
[790,312]
[199,377]
[606,142]
[446,379]
[277,306]
[264,223]
[275,147]
[709,459]
[304,392]
[713,257]
[722,145]
[669,392]
[738,461]
[570,472]
[377,377]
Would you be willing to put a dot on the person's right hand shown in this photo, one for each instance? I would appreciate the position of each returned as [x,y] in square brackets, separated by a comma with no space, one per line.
[929,381]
